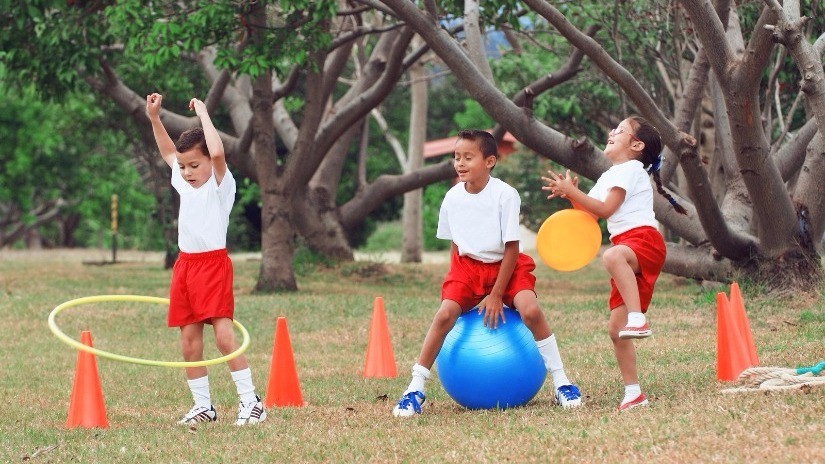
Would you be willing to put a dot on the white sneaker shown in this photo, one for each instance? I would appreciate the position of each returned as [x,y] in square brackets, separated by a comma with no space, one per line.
[251,413]
[199,414]
[568,396]
[409,404]
[636,332]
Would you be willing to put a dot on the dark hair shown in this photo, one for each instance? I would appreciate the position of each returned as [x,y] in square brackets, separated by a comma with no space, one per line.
[486,142]
[192,138]
[652,155]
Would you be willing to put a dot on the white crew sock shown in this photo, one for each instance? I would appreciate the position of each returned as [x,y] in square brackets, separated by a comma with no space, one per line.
[631,392]
[200,391]
[549,350]
[420,374]
[635,319]
[243,382]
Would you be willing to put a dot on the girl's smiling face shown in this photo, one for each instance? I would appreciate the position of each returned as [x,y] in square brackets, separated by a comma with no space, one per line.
[622,145]
[195,167]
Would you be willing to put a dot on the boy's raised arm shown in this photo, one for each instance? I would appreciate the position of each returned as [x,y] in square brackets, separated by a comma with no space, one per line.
[165,144]
[213,139]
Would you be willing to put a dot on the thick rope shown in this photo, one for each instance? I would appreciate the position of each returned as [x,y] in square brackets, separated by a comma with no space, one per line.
[755,379]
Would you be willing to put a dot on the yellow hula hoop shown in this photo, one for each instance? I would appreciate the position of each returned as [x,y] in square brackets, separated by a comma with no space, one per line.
[117,357]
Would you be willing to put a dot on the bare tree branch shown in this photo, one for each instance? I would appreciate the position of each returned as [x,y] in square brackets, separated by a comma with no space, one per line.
[565,73]
[790,157]
[389,185]
[287,87]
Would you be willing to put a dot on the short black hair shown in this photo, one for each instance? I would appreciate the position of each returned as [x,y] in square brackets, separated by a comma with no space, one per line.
[190,139]
[486,142]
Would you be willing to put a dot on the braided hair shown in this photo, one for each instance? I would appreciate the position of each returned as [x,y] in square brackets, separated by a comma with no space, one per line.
[652,156]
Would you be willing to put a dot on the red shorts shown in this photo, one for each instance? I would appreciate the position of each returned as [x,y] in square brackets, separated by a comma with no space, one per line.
[201,288]
[468,281]
[649,246]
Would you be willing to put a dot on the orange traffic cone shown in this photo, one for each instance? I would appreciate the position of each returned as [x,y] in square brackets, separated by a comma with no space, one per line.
[380,361]
[731,354]
[283,388]
[86,406]
[737,307]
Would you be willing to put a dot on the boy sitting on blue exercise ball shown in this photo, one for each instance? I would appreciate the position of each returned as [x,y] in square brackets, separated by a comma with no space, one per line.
[480,215]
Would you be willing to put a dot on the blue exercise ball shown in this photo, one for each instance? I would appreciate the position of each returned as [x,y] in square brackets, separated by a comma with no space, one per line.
[483,368]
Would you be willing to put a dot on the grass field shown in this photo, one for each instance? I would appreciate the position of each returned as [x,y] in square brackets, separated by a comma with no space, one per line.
[347,418]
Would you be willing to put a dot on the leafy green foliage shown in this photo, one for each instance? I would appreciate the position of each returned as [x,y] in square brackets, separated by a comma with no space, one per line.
[472,117]
[431,204]
[50,44]
[156,35]
[562,107]
[491,11]
[386,237]
[57,152]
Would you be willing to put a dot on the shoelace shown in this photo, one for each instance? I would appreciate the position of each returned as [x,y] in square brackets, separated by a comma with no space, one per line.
[410,400]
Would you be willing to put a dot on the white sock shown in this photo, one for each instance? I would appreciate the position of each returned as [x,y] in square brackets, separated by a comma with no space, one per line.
[243,382]
[549,351]
[420,374]
[200,391]
[631,392]
[635,319]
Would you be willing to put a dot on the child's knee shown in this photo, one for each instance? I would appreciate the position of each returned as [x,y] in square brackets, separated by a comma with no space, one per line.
[446,316]
[531,314]
[191,345]
[613,329]
[608,256]
[226,342]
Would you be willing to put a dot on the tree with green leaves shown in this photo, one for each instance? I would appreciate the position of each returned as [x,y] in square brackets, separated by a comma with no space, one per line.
[763,227]
[276,67]
[60,165]
[712,77]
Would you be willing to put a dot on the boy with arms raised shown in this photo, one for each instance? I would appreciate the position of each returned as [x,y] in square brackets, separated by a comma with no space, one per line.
[201,288]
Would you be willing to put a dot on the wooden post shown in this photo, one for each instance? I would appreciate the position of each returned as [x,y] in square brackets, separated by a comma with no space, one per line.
[114,228]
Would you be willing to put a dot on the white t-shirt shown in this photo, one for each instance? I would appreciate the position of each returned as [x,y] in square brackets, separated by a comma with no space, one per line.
[204,212]
[637,208]
[481,223]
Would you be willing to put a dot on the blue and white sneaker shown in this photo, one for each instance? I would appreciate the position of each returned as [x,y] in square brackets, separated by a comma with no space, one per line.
[409,404]
[568,396]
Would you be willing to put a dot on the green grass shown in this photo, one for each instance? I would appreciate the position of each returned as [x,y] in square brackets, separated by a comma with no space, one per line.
[387,236]
[347,418]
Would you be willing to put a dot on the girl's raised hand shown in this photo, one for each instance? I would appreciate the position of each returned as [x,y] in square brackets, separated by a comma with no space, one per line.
[558,185]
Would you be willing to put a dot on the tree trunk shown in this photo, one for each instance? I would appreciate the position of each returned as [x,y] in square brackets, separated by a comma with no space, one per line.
[316,218]
[277,232]
[33,239]
[411,223]
[67,229]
